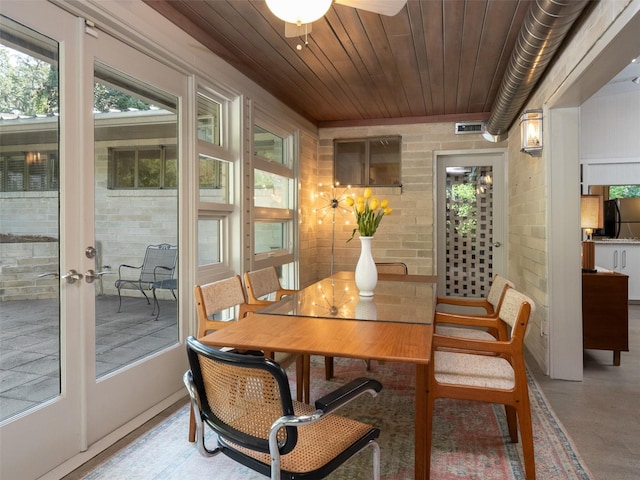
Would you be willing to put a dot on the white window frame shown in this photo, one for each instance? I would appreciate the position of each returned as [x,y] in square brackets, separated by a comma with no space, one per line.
[277,215]
[212,210]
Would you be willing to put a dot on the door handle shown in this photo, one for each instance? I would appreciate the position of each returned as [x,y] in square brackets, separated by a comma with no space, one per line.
[90,276]
[49,274]
[497,244]
[72,276]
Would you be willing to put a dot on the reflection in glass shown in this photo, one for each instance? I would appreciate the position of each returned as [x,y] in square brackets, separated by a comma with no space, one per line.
[208,120]
[29,199]
[270,236]
[271,190]
[267,145]
[209,245]
[136,205]
[214,180]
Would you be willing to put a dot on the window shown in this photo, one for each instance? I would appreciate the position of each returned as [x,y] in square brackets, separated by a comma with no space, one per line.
[209,243]
[143,167]
[274,198]
[215,171]
[208,120]
[267,145]
[369,161]
[214,180]
[624,191]
[30,171]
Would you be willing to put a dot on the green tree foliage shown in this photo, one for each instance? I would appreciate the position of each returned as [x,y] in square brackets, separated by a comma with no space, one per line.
[106,98]
[28,86]
[462,201]
[624,191]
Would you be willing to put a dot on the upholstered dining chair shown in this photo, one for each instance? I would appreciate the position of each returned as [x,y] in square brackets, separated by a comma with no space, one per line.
[474,317]
[247,402]
[216,298]
[489,371]
[398,268]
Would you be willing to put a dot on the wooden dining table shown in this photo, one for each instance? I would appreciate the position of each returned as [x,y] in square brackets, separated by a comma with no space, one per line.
[330,319]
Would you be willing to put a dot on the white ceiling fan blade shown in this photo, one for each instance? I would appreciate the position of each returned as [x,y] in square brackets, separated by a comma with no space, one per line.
[293,30]
[382,7]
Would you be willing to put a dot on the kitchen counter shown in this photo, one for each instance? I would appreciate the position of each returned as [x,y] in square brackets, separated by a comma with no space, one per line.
[617,240]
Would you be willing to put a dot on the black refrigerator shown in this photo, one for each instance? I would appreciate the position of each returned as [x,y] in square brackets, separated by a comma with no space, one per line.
[622,218]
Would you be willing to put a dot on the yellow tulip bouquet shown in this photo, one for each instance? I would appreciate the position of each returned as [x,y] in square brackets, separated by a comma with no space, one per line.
[369,212]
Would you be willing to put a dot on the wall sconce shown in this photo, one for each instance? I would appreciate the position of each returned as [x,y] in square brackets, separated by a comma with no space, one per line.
[531,132]
[591,216]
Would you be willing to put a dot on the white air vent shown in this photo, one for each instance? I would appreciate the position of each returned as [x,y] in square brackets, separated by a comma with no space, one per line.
[469,127]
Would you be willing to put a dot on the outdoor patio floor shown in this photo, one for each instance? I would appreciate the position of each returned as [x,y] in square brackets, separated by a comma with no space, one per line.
[29,344]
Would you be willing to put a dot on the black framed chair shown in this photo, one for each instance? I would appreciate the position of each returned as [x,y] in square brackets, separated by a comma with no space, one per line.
[212,300]
[159,265]
[246,400]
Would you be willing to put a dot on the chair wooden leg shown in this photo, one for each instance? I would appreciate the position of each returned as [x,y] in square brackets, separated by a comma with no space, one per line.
[328,368]
[300,378]
[526,434]
[512,422]
[192,426]
[307,378]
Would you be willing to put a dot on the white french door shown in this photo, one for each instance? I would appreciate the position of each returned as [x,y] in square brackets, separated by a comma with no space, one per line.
[471,221]
[117,193]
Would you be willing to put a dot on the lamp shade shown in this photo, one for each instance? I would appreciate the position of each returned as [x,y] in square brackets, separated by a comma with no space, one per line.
[591,215]
[531,132]
[299,11]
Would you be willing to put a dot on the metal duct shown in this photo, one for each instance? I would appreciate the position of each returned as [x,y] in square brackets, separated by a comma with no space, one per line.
[544,28]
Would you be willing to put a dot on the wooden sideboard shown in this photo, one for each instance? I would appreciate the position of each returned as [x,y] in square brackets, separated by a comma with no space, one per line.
[605,312]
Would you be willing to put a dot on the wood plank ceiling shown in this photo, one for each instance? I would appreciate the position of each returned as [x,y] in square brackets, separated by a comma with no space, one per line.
[435,60]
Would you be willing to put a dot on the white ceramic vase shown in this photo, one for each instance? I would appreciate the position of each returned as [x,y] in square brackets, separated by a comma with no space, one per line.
[366,271]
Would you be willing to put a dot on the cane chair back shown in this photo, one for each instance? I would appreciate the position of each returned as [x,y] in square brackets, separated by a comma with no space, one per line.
[398,268]
[216,297]
[263,286]
[213,298]
[246,400]
[492,372]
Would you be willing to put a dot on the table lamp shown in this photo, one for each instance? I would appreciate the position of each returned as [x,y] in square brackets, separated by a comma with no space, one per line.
[590,218]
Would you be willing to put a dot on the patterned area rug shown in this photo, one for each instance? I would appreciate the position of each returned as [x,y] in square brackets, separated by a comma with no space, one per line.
[470,439]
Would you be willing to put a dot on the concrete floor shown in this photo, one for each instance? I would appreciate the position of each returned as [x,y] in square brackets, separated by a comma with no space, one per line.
[602,413]
[29,344]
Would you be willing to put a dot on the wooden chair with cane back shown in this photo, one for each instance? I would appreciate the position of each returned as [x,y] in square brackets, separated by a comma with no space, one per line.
[224,301]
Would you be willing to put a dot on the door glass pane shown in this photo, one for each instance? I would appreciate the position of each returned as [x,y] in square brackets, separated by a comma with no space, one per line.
[29,229]
[469,231]
[136,219]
